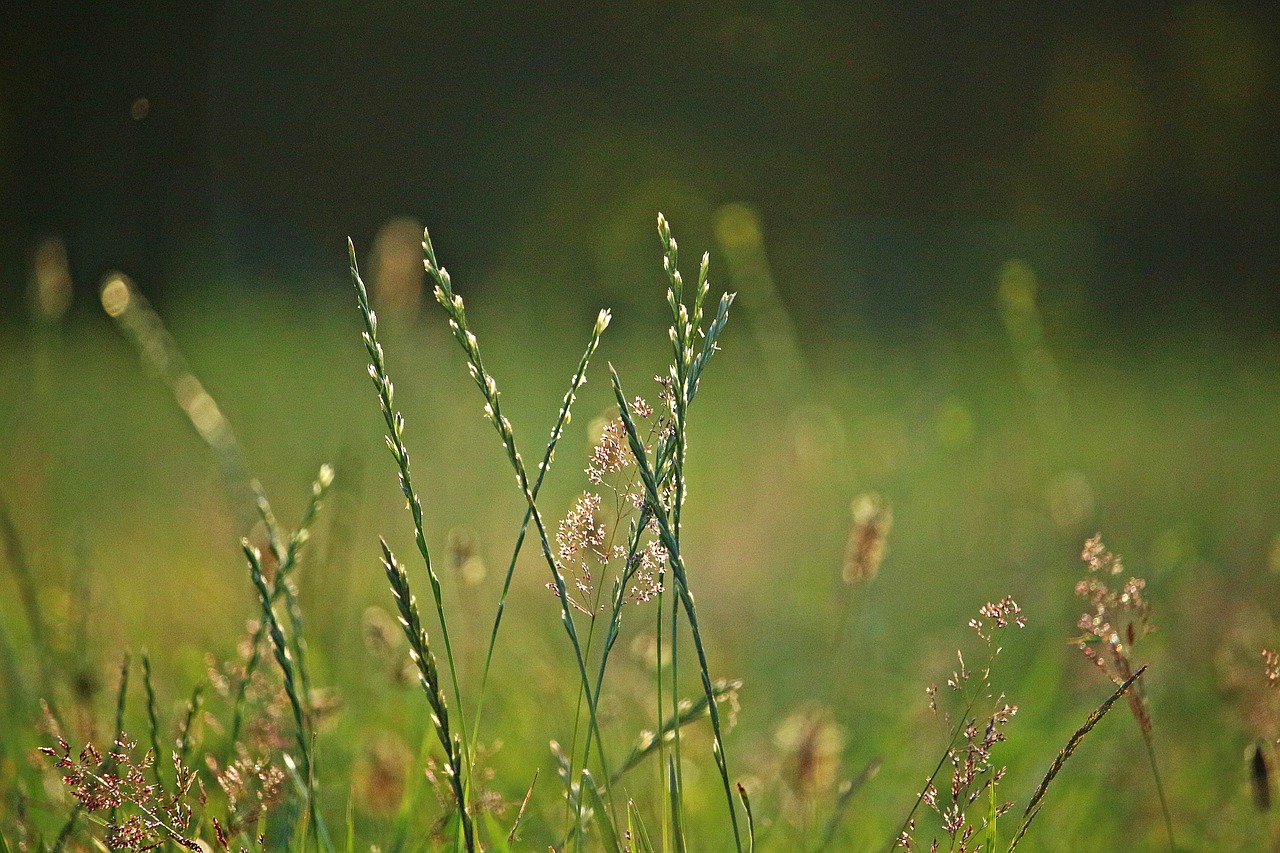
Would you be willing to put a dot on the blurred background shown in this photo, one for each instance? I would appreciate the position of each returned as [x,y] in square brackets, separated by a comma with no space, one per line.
[1011,267]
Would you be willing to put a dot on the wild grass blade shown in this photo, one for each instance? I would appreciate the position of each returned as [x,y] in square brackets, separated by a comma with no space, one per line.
[29,593]
[636,830]
[429,677]
[676,561]
[153,720]
[284,588]
[688,711]
[562,420]
[844,796]
[395,442]
[186,731]
[608,833]
[1034,804]
[161,357]
[677,826]
[524,804]
[456,310]
[280,647]
[751,820]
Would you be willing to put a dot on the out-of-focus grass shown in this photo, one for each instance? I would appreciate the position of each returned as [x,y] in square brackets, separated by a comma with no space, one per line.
[1165,448]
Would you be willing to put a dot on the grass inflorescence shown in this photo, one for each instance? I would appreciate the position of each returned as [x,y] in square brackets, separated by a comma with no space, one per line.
[236,766]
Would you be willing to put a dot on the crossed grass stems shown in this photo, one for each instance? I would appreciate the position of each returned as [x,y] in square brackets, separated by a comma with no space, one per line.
[661,470]
[659,460]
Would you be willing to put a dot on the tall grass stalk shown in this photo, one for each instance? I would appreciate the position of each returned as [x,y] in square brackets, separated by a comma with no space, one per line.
[1034,804]
[29,593]
[429,677]
[676,562]
[161,357]
[456,310]
[284,658]
[395,442]
[153,719]
[562,420]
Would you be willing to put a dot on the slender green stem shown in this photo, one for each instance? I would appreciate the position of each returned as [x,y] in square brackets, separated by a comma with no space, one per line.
[676,562]
[429,677]
[1164,802]
[562,420]
[455,308]
[153,719]
[283,656]
[957,731]
[395,442]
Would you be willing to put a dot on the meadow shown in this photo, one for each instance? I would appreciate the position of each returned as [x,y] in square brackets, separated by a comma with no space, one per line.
[997,448]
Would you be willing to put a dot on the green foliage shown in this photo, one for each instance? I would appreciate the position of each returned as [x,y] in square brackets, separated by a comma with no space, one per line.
[638,754]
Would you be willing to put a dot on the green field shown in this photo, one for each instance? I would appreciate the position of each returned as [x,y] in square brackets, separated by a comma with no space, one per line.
[1001,445]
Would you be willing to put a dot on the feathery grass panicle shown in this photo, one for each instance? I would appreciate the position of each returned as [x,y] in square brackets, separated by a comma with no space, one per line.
[117,784]
[1117,618]
[972,740]
[671,542]
[429,677]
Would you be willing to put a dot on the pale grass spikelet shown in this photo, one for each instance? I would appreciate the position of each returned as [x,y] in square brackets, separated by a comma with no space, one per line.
[868,538]
[811,745]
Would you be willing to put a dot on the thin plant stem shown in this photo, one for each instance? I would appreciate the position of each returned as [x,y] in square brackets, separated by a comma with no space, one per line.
[153,720]
[1164,802]
[562,420]
[395,442]
[946,753]
[283,656]
[455,308]
[1033,805]
[676,562]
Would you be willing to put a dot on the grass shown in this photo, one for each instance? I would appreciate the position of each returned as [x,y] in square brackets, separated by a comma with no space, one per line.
[827,751]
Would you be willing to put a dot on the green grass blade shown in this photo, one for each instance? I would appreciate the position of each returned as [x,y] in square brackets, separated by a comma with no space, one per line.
[688,711]
[844,796]
[29,593]
[608,833]
[429,677]
[677,827]
[557,431]
[751,820]
[672,544]
[153,720]
[456,310]
[636,831]
[395,442]
[1037,798]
